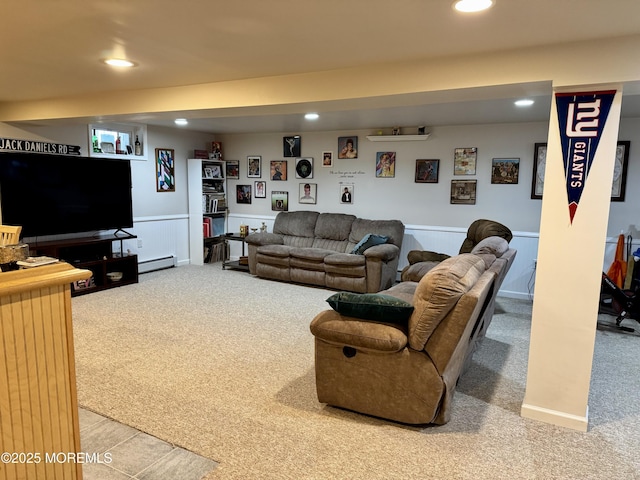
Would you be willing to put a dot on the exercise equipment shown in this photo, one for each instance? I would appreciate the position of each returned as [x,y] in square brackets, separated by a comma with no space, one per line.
[625,304]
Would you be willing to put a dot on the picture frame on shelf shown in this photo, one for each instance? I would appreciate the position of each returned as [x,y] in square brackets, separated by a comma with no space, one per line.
[260,189]
[233,169]
[308,193]
[463,192]
[619,184]
[539,165]
[385,164]
[280,201]
[427,171]
[165,170]
[243,194]
[327,159]
[505,171]
[278,170]
[304,168]
[292,146]
[216,151]
[464,161]
[254,166]
[348,147]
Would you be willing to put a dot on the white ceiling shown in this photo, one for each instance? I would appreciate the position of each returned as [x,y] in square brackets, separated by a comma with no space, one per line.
[52,50]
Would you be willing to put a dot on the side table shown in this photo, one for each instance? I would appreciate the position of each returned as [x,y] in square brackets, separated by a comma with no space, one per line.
[235,263]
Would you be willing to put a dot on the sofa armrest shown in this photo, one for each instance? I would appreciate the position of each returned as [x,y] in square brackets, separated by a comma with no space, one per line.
[365,335]
[264,238]
[385,252]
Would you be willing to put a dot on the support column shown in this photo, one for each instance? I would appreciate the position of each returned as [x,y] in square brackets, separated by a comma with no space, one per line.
[569,264]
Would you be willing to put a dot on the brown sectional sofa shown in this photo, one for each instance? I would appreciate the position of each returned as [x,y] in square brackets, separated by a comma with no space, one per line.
[407,371]
[316,249]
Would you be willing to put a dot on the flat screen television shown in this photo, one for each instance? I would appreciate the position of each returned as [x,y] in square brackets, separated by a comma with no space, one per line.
[58,194]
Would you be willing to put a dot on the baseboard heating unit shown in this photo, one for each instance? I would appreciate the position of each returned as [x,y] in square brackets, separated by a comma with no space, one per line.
[157,264]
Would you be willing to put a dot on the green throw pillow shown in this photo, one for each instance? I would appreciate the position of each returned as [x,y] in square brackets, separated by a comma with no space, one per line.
[369,240]
[371,306]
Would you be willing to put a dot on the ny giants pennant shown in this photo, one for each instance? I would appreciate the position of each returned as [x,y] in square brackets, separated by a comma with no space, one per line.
[581,117]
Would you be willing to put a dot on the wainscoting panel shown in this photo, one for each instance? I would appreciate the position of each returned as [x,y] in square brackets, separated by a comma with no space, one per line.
[160,238]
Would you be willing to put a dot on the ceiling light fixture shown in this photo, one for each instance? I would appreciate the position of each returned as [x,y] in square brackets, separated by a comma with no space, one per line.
[181,121]
[119,62]
[524,102]
[470,6]
[312,116]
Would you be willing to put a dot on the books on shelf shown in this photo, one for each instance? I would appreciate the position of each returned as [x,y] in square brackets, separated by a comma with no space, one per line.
[213,203]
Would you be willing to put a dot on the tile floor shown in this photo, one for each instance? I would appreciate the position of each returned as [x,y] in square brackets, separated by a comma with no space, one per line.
[134,454]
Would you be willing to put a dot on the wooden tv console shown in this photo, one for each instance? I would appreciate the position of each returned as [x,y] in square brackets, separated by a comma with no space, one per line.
[96,254]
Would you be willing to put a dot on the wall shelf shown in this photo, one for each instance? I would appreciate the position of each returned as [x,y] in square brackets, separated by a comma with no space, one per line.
[397,138]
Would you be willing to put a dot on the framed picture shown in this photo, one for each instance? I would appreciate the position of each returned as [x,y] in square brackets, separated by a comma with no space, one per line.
[280,201]
[254,166]
[216,150]
[464,161]
[427,171]
[463,192]
[308,193]
[243,193]
[348,147]
[327,159]
[212,170]
[304,167]
[386,164]
[291,146]
[346,193]
[620,171]
[260,189]
[539,164]
[278,170]
[505,170]
[233,169]
[165,170]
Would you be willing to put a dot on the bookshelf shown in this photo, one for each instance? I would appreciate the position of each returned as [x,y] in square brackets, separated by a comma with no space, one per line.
[207,206]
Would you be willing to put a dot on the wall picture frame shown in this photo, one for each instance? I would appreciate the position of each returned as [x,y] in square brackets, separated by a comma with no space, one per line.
[280,201]
[260,189]
[464,160]
[385,164]
[165,170]
[308,193]
[327,159]
[346,193]
[304,167]
[463,192]
[292,146]
[233,169]
[505,171]
[254,166]
[427,171]
[243,194]
[539,165]
[619,184]
[348,147]
[278,170]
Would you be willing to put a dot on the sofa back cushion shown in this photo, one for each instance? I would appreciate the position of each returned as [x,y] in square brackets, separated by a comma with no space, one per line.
[438,293]
[296,228]
[394,229]
[332,231]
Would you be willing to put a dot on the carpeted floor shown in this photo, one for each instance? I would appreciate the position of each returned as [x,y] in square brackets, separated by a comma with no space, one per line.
[221,363]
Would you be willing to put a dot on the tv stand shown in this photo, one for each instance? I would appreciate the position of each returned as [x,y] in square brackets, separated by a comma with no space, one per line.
[128,235]
[96,254]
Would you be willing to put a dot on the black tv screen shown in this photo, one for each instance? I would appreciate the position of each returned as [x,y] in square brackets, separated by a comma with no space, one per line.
[57,194]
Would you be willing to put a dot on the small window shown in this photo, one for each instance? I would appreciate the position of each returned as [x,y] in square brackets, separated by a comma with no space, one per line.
[117,139]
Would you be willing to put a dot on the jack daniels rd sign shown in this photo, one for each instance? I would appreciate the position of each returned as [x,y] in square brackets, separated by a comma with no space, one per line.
[34,146]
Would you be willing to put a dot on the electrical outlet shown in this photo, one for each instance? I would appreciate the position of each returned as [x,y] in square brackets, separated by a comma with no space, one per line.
[139,243]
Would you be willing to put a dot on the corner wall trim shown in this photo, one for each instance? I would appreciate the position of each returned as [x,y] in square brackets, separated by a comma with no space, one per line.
[555,417]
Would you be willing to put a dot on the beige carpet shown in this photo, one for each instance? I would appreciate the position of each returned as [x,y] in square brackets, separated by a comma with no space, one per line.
[221,363]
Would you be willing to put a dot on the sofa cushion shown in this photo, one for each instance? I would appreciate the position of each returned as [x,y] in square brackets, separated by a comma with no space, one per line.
[394,229]
[334,226]
[313,254]
[296,224]
[369,240]
[490,248]
[371,306]
[438,292]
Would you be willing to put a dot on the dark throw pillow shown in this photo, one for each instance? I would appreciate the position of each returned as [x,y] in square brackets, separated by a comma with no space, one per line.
[371,306]
[369,240]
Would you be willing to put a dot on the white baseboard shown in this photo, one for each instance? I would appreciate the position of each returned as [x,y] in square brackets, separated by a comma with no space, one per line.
[554,417]
[156,264]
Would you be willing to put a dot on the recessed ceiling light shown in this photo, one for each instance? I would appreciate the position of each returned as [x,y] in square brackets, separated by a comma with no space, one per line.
[312,116]
[181,121]
[119,62]
[469,6]
[524,102]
